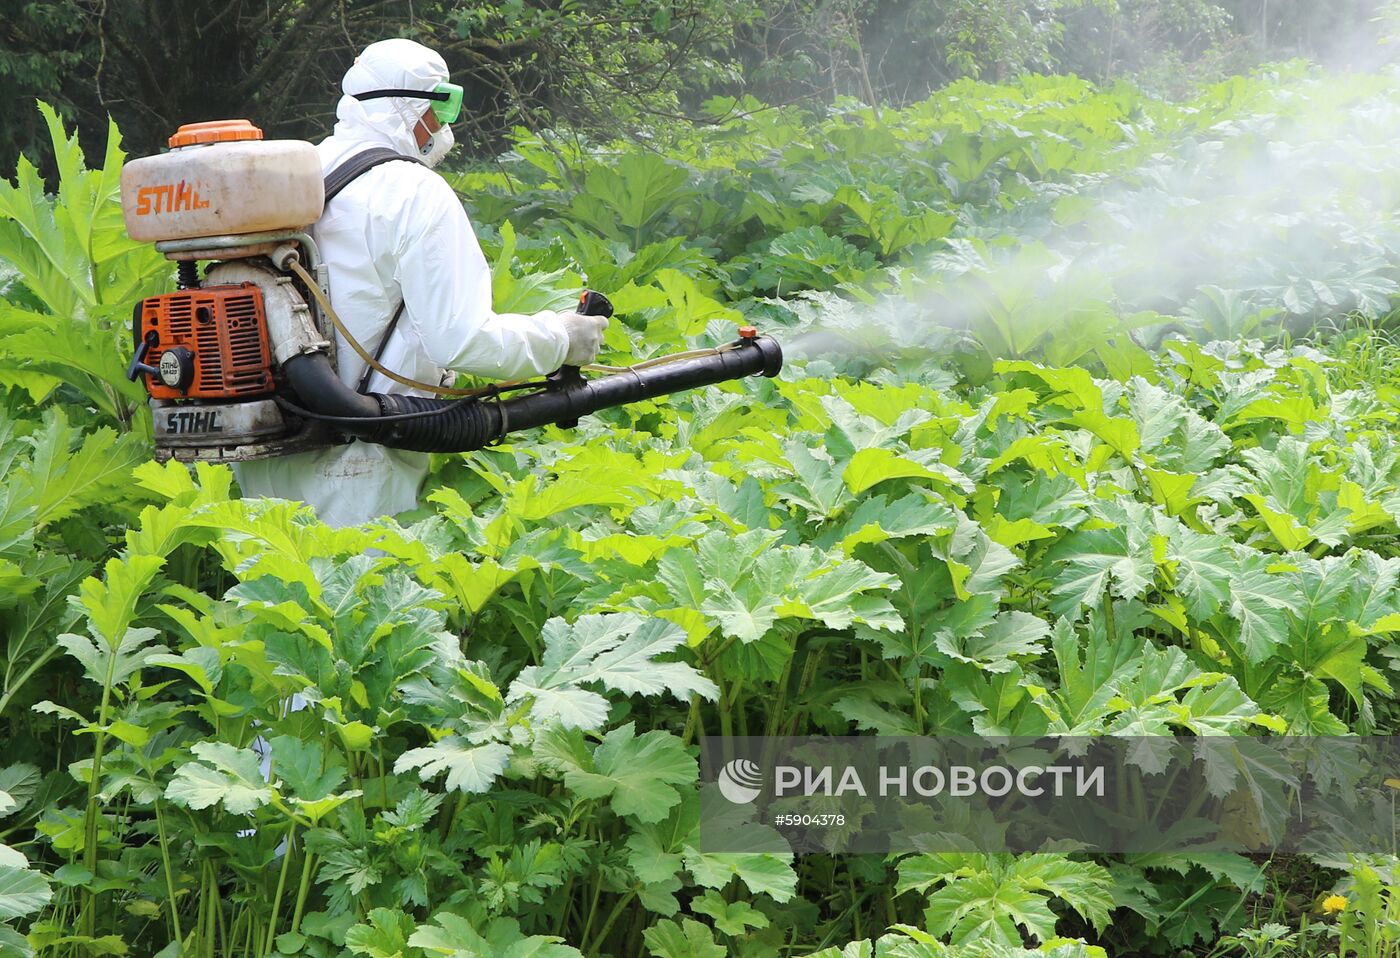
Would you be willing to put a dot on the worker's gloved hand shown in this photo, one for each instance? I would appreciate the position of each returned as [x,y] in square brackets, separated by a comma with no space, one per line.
[585,337]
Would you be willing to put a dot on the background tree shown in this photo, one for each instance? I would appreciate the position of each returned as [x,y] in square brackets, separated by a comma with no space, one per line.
[897,51]
[597,65]
[609,67]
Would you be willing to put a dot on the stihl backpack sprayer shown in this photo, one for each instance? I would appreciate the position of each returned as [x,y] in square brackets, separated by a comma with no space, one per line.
[240,363]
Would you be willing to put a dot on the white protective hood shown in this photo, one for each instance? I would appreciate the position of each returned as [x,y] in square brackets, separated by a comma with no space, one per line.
[387,65]
[399,233]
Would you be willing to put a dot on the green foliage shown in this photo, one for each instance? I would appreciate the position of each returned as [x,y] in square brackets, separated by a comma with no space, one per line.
[1370,915]
[54,481]
[1031,519]
[1046,218]
[81,274]
[991,898]
[1014,548]
[805,258]
[23,889]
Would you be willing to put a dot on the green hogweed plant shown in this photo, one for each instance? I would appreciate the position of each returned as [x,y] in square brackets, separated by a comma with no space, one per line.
[1025,524]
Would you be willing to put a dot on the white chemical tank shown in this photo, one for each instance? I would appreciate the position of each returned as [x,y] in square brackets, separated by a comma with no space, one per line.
[222,178]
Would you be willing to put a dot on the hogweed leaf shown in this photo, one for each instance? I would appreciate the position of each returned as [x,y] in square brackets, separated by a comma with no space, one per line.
[469,768]
[306,768]
[732,919]
[110,602]
[105,665]
[23,891]
[225,776]
[1093,562]
[618,652]
[384,935]
[639,774]
[457,937]
[687,938]
[1259,602]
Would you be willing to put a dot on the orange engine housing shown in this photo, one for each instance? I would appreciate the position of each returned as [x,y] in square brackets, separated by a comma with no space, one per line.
[225,327]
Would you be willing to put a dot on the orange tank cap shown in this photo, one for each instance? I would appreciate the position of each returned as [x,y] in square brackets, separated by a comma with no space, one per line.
[215,131]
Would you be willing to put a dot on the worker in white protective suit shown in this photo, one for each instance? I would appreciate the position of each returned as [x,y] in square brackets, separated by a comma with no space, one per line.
[398,234]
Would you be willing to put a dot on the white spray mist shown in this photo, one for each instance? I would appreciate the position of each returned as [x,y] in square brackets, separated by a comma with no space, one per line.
[1282,212]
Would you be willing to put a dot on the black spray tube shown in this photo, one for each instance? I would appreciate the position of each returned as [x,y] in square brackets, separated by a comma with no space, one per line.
[419,424]
[472,424]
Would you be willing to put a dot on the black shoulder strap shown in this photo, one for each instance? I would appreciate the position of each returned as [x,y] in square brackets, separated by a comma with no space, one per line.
[337,180]
[341,177]
[379,353]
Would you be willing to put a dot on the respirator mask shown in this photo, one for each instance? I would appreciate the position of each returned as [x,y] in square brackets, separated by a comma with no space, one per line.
[437,146]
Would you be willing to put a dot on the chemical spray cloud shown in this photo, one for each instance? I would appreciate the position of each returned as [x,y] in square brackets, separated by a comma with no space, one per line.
[1281,214]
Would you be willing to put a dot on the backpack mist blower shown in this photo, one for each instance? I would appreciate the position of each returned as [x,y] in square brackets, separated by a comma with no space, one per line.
[239,364]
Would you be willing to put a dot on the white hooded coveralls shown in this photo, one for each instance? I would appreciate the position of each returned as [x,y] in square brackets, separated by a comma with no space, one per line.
[399,233]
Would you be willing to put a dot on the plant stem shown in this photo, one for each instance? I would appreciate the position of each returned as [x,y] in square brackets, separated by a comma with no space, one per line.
[24,677]
[726,719]
[451,819]
[219,923]
[195,941]
[612,918]
[169,876]
[565,898]
[211,892]
[919,698]
[593,907]
[692,719]
[855,905]
[281,885]
[231,938]
[775,716]
[303,888]
[809,673]
[722,648]
[90,814]
[739,706]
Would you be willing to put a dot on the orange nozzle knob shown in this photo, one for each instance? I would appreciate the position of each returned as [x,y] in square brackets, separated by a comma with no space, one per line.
[747,332]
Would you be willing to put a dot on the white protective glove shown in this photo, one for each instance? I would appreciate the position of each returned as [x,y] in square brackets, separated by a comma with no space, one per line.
[585,337]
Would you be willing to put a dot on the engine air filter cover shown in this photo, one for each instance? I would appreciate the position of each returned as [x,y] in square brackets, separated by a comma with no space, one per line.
[208,343]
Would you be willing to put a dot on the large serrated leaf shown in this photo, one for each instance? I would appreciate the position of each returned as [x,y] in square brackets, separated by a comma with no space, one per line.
[22,890]
[687,938]
[618,652]
[107,665]
[1096,562]
[469,768]
[224,776]
[637,773]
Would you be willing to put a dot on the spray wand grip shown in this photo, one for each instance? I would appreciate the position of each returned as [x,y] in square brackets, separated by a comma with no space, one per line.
[591,303]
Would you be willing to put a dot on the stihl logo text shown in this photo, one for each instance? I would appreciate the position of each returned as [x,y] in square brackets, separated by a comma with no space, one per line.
[169,198]
[207,421]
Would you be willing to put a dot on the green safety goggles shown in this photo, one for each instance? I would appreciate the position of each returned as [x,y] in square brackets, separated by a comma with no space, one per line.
[446,97]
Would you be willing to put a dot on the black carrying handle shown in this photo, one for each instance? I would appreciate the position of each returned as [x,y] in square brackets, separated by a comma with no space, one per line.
[591,303]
